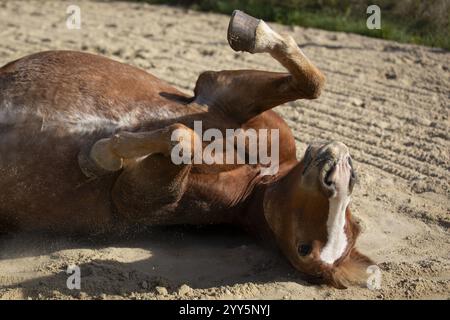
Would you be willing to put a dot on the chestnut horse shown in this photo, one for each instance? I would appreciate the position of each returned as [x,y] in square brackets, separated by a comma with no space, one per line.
[86,145]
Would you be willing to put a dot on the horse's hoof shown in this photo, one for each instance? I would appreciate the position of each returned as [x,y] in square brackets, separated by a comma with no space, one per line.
[242,31]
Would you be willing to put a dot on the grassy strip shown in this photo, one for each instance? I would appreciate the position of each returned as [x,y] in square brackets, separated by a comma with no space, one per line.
[328,17]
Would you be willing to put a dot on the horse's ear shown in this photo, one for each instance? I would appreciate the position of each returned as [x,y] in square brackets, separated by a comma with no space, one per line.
[353,270]
[361,258]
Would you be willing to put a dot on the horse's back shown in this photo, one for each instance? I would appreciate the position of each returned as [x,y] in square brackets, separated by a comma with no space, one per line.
[68,81]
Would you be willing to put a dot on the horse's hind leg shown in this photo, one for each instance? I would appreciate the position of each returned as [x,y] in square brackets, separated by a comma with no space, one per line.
[246,93]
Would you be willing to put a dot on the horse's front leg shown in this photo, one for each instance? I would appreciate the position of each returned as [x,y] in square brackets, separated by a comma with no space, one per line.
[125,149]
[155,167]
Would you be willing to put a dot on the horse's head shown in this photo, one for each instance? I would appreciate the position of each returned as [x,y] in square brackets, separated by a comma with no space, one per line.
[308,212]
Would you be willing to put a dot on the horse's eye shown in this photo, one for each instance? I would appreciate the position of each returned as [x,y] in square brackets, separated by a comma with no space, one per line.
[304,249]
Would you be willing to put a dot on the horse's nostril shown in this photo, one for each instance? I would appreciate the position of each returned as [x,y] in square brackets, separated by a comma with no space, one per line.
[352,182]
[304,249]
[327,179]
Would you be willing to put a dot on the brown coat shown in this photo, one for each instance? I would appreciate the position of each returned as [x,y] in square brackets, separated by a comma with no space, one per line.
[85,144]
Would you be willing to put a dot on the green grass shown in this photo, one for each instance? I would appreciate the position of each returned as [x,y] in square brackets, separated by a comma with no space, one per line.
[417,25]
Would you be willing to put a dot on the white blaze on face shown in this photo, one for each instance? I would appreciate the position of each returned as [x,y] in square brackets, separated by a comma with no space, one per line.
[337,239]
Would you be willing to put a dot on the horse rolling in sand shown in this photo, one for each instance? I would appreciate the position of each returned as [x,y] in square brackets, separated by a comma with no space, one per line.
[86,147]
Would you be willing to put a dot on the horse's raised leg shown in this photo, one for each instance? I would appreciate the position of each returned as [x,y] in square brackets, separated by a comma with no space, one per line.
[246,93]
[126,148]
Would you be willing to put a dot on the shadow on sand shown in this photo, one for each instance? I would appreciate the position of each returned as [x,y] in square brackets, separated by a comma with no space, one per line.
[202,258]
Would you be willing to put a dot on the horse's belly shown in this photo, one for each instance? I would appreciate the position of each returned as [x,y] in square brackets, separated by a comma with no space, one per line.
[42,187]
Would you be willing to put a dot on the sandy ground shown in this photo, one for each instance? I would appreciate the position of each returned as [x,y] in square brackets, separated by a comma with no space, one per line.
[388,102]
